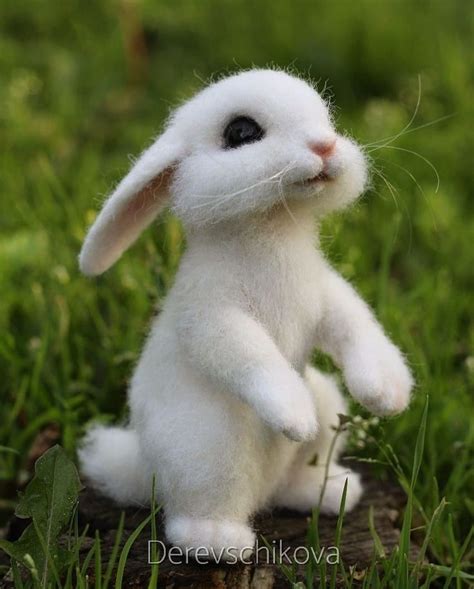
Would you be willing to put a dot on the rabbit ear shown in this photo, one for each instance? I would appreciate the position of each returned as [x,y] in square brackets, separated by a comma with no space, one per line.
[136,201]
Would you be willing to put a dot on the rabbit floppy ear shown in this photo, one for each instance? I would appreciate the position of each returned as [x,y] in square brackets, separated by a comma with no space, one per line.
[136,201]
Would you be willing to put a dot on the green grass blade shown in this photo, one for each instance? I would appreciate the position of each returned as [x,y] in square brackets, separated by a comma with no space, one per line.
[75,558]
[389,568]
[408,515]
[287,571]
[310,541]
[153,583]
[420,445]
[98,561]
[455,572]
[380,550]
[340,519]
[428,535]
[114,553]
[126,549]
[87,561]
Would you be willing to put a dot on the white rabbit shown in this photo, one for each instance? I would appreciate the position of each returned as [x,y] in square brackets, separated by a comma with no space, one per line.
[224,407]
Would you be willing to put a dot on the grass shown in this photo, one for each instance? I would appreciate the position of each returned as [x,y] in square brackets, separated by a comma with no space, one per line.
[84,88]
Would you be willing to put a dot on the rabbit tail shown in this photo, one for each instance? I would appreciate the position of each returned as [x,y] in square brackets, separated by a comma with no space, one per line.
[111,462]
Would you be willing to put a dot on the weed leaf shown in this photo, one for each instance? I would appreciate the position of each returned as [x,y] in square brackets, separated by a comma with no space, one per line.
[49,501]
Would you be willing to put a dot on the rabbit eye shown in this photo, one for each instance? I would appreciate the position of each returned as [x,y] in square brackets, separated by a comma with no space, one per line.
[242,130]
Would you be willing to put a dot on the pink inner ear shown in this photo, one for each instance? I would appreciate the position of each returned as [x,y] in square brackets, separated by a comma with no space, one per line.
[113,233]
[139,211]
[146,202]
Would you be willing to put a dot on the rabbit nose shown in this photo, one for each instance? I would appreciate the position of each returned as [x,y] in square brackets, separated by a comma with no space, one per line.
[323,147]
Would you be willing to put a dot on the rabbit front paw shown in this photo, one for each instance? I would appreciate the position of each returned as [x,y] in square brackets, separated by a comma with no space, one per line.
[377,377]
[299,426]
[286,405]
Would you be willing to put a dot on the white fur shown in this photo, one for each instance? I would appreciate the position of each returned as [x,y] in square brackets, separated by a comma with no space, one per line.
[224,408]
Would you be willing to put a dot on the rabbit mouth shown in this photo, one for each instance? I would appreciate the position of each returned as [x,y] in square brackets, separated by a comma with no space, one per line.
[321,177]
[318,179]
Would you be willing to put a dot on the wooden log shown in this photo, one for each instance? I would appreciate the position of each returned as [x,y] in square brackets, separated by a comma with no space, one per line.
[356,548]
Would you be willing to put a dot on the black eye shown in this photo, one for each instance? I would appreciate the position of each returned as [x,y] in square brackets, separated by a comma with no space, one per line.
[242,130]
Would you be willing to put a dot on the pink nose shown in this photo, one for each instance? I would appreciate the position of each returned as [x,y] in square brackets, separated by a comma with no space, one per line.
[324,147]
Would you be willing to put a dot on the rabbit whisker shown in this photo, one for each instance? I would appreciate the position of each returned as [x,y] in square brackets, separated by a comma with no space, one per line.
[219,199]
[405,129]
[284,202]
[393,191]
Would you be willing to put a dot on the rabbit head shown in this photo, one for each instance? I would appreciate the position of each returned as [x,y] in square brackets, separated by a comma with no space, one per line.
[239,147]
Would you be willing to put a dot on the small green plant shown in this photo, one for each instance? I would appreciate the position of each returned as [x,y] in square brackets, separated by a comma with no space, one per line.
[49,500]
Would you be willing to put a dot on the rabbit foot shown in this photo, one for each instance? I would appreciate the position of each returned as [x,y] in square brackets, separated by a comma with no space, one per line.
[304,491]
[209,539]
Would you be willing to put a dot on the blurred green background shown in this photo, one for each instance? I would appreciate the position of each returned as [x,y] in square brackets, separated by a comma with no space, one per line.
[85,85]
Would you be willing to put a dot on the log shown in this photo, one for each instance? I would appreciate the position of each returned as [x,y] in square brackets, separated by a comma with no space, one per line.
[356,547]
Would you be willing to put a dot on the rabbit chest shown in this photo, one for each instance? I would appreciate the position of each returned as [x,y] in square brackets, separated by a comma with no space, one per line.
[281,287]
